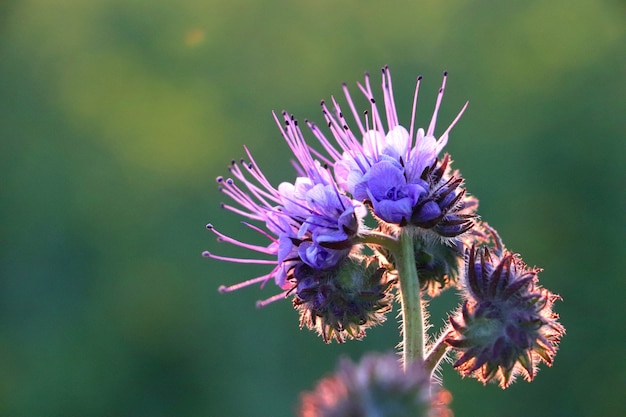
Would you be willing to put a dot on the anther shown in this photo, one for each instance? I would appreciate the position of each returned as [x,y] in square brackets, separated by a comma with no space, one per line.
[209,226]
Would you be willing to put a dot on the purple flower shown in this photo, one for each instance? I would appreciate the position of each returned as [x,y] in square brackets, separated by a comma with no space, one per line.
[377,386]
[395,170]
[392,198]
[506,325]
[309,221]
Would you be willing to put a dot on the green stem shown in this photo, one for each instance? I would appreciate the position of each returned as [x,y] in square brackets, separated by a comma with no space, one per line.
[437,352]
[413,326]
[380,239]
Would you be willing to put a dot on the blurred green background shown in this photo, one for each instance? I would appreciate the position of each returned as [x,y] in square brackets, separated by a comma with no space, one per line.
[116,117]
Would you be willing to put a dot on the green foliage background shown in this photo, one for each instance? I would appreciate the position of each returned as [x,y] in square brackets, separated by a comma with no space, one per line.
[116,116]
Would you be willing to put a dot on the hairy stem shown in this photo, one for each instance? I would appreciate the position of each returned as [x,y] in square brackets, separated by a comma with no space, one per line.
[380,239]
[413,326]
[437,352]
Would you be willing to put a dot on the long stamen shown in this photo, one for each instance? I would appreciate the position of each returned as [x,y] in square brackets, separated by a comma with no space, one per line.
[323,141]
[270,300]
[262,279]
[390,105]
[353,108]
[413,112]
[227,239]
[235,210]
[443,139]
[433,121]
[262,195]
[261,231]
[208,254]
[239,196]
[258,174]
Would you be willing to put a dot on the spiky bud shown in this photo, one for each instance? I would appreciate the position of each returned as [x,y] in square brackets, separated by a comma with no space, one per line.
[343,301]
[506,325]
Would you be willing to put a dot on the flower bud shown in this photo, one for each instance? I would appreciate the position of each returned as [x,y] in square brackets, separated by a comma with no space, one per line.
[443,208]
[506,325]
[343,301]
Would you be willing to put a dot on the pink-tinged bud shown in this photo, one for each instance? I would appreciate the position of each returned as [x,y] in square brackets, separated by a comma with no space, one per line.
[377,386]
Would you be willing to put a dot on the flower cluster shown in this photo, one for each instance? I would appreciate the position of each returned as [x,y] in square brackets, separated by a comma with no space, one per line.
[306,222]
[377,386]
[343,276]
[315,223]
[506,325]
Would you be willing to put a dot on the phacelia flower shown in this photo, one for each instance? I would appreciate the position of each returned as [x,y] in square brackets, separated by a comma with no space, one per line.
[308,222]
[377,386]
[395,170]
[506,325]
[343,301]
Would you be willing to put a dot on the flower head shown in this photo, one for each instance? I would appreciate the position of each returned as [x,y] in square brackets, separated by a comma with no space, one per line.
[377,386]
[395,170]
[308,221]
[506,325]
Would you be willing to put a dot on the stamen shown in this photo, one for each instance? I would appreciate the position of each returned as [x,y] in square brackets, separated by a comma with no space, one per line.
[417,89]
[259,230]
[235,210]
[376,120]
[263,303]
[433,121]
[352,108]
[443,139]
[208,254]
[390,105]
[227,239]
[263,279]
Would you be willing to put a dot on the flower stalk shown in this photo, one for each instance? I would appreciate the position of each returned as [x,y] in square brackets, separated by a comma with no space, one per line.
[413,326]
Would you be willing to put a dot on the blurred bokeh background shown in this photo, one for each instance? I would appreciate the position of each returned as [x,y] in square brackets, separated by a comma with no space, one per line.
[116,117]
